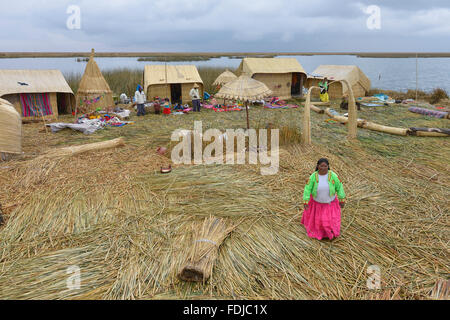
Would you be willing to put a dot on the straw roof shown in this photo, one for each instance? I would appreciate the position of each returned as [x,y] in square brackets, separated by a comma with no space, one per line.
[34,81]
[244,88]
[93,80]
[352,74]
[10,128]
[225,77]
[250,66]
[156,74]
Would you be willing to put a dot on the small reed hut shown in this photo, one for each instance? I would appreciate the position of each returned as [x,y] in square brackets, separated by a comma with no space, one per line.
[171,81]
[93,91]
[285,77]
[358,80]
[224,77]
[10,130]
[37,94]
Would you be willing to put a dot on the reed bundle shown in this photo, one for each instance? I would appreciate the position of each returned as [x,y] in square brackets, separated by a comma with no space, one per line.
[70,151]
[204,249]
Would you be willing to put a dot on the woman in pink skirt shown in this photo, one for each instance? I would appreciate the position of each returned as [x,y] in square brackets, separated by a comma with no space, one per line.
[322,214]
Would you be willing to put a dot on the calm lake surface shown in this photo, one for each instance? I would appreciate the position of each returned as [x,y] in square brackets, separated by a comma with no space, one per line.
[385,73]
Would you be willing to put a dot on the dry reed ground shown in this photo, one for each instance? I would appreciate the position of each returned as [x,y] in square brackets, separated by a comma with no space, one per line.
[130,228]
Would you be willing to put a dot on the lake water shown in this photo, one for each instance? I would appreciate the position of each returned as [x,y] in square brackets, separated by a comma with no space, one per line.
[385,73]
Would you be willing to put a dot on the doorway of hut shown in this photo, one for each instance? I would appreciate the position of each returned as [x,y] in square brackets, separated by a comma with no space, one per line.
[296,84]
[175,93]
[63,102]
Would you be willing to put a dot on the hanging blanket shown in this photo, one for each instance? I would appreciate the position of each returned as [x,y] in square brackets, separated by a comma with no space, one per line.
[35,104]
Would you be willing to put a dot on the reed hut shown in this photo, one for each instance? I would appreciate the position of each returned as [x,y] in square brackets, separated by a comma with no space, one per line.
[358,80]
[224,77]
[37,94]
[10,130]
[171,81]
[93,91]
[285,77]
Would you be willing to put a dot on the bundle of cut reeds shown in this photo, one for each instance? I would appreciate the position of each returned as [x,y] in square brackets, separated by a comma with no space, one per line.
[204,250]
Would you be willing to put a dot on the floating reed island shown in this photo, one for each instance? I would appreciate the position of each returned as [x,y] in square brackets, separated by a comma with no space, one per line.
[103,206]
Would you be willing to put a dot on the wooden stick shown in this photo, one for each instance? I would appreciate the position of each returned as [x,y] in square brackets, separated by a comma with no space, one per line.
[306,135]
[316,109]
[246,109]
[320,103]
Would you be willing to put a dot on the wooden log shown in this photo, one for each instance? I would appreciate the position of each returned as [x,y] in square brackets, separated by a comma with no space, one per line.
[369,125]
[316,109]
[320,103]
[69,151]
[386,129]
[429,134]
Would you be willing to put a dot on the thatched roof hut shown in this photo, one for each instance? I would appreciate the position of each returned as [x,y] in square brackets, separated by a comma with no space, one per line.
[10,129]
[37,94]
[284,76]
[358,80]
[93,91]
[171,81]
[225,77]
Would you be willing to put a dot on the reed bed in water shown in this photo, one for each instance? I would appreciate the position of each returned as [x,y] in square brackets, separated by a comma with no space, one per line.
[129,228]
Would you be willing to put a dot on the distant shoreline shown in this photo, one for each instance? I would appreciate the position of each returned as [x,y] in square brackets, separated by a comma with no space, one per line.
[10,55]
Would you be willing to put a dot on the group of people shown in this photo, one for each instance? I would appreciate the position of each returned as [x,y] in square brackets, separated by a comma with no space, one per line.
[140,99]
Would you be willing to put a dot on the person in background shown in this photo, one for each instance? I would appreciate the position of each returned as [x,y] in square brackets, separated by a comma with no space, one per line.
[166,107]
[322,214]
[157,105]
[344,103]
[123,98]
[139,97]
[324,90]
[195,97]
[178,107]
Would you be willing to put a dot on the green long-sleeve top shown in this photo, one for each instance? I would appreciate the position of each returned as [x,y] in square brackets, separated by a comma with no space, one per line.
[336,186]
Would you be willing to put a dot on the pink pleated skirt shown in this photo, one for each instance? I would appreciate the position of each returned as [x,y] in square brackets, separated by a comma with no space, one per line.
[322,220]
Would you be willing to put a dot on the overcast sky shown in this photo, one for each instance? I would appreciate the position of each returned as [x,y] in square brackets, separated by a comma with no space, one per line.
[225,25]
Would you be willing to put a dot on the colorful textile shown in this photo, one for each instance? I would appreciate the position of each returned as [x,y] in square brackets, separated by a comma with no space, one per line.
[91,101]
[427,112]
[166,109]
[227,109]
[274,106]
[324,97]
[35,104]
[373,105]
[322,220]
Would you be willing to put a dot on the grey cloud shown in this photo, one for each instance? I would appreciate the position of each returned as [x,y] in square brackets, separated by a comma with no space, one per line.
[226,25]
